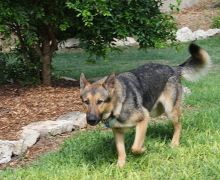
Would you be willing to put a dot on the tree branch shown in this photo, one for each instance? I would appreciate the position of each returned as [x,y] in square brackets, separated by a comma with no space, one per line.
[52,37]
[17,31]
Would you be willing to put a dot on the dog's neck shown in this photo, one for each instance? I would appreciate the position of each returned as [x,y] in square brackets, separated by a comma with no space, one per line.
[117,100]
[116,103]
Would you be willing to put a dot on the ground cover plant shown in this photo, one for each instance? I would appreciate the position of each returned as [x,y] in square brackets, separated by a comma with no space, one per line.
[92,154]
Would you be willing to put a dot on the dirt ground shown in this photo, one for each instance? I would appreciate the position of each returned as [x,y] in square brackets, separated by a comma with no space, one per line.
[198,16]
[20,106]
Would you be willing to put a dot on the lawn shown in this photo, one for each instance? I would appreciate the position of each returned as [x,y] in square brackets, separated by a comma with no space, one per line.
[71,64]
[92,154]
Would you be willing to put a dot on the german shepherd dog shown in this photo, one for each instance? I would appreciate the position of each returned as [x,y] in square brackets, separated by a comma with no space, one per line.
[130,98]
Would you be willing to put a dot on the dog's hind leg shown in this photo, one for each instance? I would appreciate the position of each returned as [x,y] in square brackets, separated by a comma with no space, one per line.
[171,100]
[177,126]
[175,116]
[120,146]
[141,128]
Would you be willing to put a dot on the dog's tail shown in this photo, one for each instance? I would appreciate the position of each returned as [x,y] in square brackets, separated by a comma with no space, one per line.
[197,65]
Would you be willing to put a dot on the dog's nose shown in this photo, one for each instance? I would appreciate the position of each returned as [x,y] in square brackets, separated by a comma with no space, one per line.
[92,119]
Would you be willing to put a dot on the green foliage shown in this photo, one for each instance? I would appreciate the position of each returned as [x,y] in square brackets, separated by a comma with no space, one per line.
[40,25]
[175,7]
[216,21]
[14,69]
[102,21]
[96,23]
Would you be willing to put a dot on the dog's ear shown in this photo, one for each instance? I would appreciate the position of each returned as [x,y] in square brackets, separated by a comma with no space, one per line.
[83,81]
[110,82]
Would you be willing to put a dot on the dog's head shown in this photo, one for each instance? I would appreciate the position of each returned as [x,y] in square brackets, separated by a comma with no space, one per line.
[97,98]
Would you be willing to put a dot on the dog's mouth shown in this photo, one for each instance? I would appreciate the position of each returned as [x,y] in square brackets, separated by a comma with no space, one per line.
[93,123]
[94,120]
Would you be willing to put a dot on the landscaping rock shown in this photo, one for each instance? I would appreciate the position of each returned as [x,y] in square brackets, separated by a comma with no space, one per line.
[77,118]
[200,34]
[129,41]
[68,78]
[69,43]
[50,127]
[19,147]
[184,35]
[6,149]
[29,137]
[212,32]
[65,123]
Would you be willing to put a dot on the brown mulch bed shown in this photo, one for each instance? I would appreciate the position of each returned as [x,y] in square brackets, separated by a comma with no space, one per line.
[20,106]
[197,17]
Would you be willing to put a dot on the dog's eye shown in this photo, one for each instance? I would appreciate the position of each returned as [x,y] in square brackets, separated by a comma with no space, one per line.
[86,101]
[99,101]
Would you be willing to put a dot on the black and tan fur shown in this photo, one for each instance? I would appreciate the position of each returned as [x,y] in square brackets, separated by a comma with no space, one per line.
[133,97]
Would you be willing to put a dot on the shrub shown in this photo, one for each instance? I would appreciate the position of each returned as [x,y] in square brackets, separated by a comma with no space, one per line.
[14,69]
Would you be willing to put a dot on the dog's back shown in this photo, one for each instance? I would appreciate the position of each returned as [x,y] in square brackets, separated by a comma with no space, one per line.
[143,86]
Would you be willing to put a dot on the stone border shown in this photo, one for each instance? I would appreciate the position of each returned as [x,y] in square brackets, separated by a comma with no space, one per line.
[31,133]
[185,34]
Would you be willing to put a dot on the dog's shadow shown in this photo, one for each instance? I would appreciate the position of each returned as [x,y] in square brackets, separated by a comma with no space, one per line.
[98,147]
[160,132]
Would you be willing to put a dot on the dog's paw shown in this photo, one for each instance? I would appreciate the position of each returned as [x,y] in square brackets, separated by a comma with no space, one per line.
[138,150]
[121,163]
[174,144]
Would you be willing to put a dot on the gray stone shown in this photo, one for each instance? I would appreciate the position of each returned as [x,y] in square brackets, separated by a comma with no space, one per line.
[77,118]
[129,41]
[69,43]
[29,137]
[9,148]
[68,78]
[212,32]
[19,147]
[200,34]
[6,149]
[65,123]
[50,127]
[184,35]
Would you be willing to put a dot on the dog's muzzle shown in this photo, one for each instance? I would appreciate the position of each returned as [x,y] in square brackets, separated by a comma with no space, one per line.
[92,119]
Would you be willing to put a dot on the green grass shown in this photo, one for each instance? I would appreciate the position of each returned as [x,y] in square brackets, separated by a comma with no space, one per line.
[92,154]
[72,64]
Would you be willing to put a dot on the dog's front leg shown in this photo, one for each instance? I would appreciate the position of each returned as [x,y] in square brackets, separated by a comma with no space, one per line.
[120,146]
[141,128]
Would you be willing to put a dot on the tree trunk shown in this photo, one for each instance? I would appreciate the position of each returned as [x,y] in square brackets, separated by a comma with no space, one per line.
[49,46]
[46,63]
[46,70]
